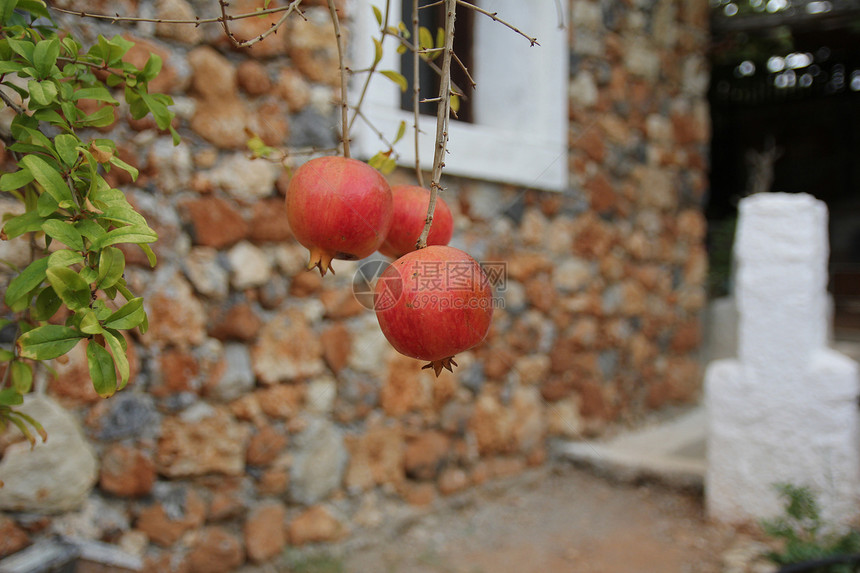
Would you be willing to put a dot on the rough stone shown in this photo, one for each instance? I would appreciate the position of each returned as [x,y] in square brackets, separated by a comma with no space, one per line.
[406,386]
[265,446]
[492,425]
[316,524]
[319,462]
[311,47]
[176,10]
[246,180]
[221,123]
[239,322]
[175,316]
[215,222]
[293,89]
[265,531]
[126,472]
[128,415]
[250,28]
[375,457]
[186,447]
[321,395]
[253,78]
[171,164]
[215,550]
[249,265]
[425,455]
[286,350]
[12,537]
[269,222]
[453,480]
[529,426]
[54,476]
[281,401]
[205,273]
[165,521]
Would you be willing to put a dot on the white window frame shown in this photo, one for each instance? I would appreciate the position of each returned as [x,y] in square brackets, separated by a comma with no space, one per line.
[520,129]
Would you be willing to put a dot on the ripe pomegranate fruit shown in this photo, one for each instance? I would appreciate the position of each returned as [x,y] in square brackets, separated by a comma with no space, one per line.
[410,212]
[433,303]
[338,208]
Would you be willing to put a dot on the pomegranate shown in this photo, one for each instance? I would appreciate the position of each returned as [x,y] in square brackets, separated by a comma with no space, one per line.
[339,208]
[410,212]
[433,303]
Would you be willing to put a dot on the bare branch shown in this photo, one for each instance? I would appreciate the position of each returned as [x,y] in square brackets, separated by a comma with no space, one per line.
[443,113]
[416,90]
[372,68]
[273,29]
[495,18]
[344,105]
[465,71]
[8,101]
[116,18]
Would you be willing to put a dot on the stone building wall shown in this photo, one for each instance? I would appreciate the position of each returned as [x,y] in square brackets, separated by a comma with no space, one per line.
[266,409]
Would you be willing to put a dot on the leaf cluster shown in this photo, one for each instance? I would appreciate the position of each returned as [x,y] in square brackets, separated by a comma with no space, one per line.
[73,220]
[802,533]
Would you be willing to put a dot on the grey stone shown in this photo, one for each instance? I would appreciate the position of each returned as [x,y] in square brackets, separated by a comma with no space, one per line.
[309,128]
[206,275]
[238,377]
[56,475]
[131,415]
[319,462]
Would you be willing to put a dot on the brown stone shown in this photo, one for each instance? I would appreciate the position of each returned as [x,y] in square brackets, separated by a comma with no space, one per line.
[557,387]
[601,195]
[269,222]
[287,349]
[418,494]
[529,426]
[593,237]
[316,524]
[281,401]
[265,446]
[498,362]
[247,29]
[274,481]
[227,501]
[253,78]
[126,472]
[239,322]
[453,480]
[12,537]
[177,10]
[541,293]
[687,336]
[176,317]
[305,283]
[402,390]
[340,303]
[270,122]
[293,89]
[593,400]
[214,76]
[221,123]
[375,457]
[591,142]
[215,222]
[265,531]
[312,49]
[522,266]
[337,344]
[504,466]
[156,561]
[215,550]
[492,425]
[178,370]
[425,455]
[72,385]
[165,527]
[212,442]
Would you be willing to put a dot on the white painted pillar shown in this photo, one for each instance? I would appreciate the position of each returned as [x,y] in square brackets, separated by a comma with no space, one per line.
[785,410]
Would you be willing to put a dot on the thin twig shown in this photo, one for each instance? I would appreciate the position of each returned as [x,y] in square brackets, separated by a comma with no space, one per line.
[344,105]
[372,68]
[273,29]
[465,71]
[431,4]
[116,18]
[411,47]
[8,101]
[495,18]
[443,112]
[416,90]
[379,134]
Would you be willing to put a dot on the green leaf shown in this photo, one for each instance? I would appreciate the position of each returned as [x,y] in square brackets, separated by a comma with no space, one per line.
[425,39]
[397,78]
[47,304]
[111,267]
[130,234]
[90,322]
[66,145]
[29,279]
[70,287]
[152,67]
[7,67]
[102,371]
[377,51]
[64,232]
[48,177]
[6,355]
[22,376]
[35,7]
[118,350]
[64,258]
[90,229]
[98,93]
[42,92]
[377,14]
[9,397]
[455,102]
[48,341]
[124,166]
[23,48]
[401,131]
[46,205]
[45,56]
[15,180]
[128,316]
[150,254]
[440,37]
[24,223]
[102,117]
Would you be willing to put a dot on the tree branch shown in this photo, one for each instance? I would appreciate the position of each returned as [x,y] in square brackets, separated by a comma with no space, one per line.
[416,90]
[197,21]
[495,18]
[443,113]
[344,105]
[372,68]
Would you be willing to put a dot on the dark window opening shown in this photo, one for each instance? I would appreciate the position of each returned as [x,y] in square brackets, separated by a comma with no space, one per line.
[433,18]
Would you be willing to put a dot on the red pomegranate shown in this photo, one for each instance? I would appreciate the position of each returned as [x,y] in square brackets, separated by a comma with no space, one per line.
[338,208]
[433,303]
[410,212]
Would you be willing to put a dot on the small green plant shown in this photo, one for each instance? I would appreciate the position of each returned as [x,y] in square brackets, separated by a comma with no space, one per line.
[804,535]
[73,222]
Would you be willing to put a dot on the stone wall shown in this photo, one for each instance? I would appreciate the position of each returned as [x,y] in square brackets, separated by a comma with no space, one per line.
[266,408]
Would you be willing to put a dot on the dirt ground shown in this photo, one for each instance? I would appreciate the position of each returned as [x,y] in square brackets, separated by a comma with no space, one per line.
[559,519]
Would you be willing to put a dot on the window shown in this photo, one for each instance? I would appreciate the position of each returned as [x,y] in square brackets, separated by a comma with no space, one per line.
[516,129]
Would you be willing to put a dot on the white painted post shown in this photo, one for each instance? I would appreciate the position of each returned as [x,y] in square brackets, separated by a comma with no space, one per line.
[785,410]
